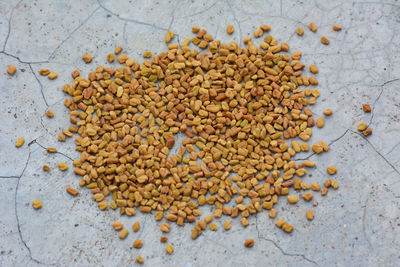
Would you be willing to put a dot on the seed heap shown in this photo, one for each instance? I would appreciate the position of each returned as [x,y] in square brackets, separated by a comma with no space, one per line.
[238,109]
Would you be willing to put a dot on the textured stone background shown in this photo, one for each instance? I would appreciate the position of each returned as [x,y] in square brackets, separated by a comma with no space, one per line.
[357,225]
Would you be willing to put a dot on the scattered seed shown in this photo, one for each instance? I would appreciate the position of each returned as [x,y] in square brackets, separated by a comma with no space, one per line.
[362,126]
[44,72]
[36,204]
[336,27]
[320,122]
[230,29]
[63,166]
[335,184]
[46,168]
[11,69]
[87,58]
[169,36]
[123,233]
[165,227]
[163,239]
[272,213]
[196,29]
[310,215]
[249,243]
[52,75]
[118,50]
[110,58]
[312,27]
[75,73]
[366,108]
[136,226]
[324,191]
[20,141]
[213,227]
[300,31]
[227,225]
[258,33]
[367,132]
[49,113]
[314,69]
[292,199]
[246,39]
[72,191]
[325,40]
[307,196]
[169,248]
[51,149]
[287,227]
[117,225]
[147,54]
[102,205]
[328,112]
[315,186]
[331,170]
[138,243]
[139,259]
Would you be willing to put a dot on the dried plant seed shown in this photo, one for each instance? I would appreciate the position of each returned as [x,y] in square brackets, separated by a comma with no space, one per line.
[44,72]
[123,233]
[49,113]
[139,259]
[325,40]
[52,75]
[63,166]
[136,226]
[336,27]
[169,248]
[366,108]
[20,141]
[310,215]
[230,29]
[249,243]
[331,170]
[87,58]
[314,69]
[300,31]
[36,204]
[46,168]
[312,27]
[11,69]
[72,191]
[117,225]
[138,243]
[327,112]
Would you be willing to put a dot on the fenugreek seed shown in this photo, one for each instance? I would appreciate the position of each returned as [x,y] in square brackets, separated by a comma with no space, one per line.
[310,215]
[169,36]
[102,205]
[246,39]
[87,58]
[308,163]
[292,199]
[335,184]
[272,213]
[315,186]
[123,233]
[307,196]
[138,243]
[213,227]
[169,248]
[312,27]
[208,218]
[279,223]
[328,112]
[72,191]
[165,227]
[336,27]
[44,72]
[320,122]
[139,259]
[61,137]
[196,29]
[75,73]
[331,170]
[49,113]
[265,28]
[367,132]
[258,33]
[147,54]
[51,149]
[117,225]
[52,75]
[324,191]
[328,182]
[227,225]
[366,108]
[136,226]
[249,243]
[300,31]
[46,168]
[325,40]
[110,58]
[20,141]
[163,239]
[287,227]
[63,166]
[314,69]
[230,29]
[11,69]
[37,204]
[118,50]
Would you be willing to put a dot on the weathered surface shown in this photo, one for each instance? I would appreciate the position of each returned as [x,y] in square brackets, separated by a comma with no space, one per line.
[358,225]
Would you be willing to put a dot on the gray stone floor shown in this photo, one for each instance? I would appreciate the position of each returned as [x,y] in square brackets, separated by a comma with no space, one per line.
[358,225]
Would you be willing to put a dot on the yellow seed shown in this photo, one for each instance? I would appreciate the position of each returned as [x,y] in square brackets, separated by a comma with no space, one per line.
[52,75]
[138,243]
[169,248]
[249,243]
[227,225]
[46,168]
[165,227]
[11,69]
[124,232]
[367,132]
[63,166]
[331,170]
[118,50]
[102,205]
[147,54]
[20,141]
[246,39]
[310,215]
[300,31]
[213,227]
[87,58]
[314,69]
[325,40]
[72,191]
[110,58]
[292,199]
[362,126]
[196,29]
[51,149]
[308,163]
[139,259]
[61,137]
[279,223]
[208,218]
[117,225]
[307,196]
[230,29]
[287,227]
[49,113]
[312,27]
[335,184]
[44,72]
[328,112]
[169,36]
[36,204]
[136,226]
[315,186]
[336,27]
[272,213]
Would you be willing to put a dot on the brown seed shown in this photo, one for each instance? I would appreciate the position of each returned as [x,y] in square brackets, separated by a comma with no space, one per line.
[272,213]
[292,199]
[37,204]
[312,27]
[46,168]
[336,27]
[136,226]
[307,196]
[213,227]
[118,50]
[124,232]
[147,54]
[63,166]
[51,149]
[20,141]
[138,243]
[117,225]
[75,73]
[314,69]
[300,31]
[335,184]
[110,58]
[165,227]
[328,112]
[287,227]
[324,191]
[310,215]
[325,40]
[362,126]
[87,58]
[163,239]
[320,122]
[169,248]
[249,243]
[102,205]
[11,69]
[72,191]
[52,75]
[196,29]
[366,108]
[44,72]
[61,137]
[315,186]
[331,170]
[230,29]
[49,113]
[246,39]
[227,225]
[139,259]
[367,132]
[169,36]
[258,33]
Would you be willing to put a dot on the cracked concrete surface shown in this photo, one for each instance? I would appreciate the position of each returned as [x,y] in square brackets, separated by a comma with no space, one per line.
[358,225]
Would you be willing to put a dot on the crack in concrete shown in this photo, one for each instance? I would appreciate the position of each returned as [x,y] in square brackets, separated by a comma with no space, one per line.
[131,20]
[40,84]
[42,146]
[75,30]
[22,61]
[200,12]
[281,249]
[9,25]
[364,222]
